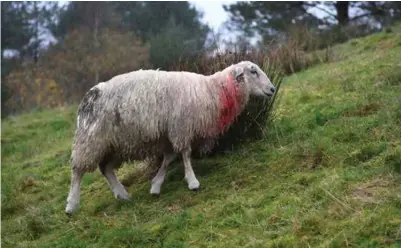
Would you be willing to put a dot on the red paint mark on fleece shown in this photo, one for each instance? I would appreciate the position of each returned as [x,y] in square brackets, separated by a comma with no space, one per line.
[230,99]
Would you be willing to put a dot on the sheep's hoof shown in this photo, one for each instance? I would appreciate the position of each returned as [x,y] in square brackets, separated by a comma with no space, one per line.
[69,214]
[194,185]
[124,198]
[155,191]
[156,195]
[121,196]
[70,209]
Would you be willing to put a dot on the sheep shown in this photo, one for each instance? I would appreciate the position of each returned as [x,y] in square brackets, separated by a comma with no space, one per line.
[152,113]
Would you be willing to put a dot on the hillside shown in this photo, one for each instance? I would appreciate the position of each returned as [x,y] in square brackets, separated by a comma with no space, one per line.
[327,174]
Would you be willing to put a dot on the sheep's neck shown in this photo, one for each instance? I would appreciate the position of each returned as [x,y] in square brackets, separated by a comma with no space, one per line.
[230,103]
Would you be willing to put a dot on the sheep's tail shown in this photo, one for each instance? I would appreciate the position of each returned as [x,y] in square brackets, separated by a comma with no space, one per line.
[86,109]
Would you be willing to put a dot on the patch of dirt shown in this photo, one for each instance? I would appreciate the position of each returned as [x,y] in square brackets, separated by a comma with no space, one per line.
[371,191]
[312,159]
[174,208]
[27,183]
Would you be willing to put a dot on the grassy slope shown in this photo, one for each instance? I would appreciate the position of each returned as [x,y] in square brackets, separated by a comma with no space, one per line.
[327,175]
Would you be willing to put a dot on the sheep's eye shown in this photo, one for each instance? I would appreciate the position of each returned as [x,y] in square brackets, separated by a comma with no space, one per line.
[254,72]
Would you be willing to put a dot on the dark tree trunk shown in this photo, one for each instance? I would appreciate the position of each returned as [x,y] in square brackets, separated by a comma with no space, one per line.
[96,45]
[342,13]
[36,35]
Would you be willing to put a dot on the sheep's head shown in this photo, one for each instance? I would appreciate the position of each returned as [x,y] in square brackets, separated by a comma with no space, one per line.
[257,81]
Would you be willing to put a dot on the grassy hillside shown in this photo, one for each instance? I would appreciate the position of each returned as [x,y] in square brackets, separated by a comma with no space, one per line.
[327,174]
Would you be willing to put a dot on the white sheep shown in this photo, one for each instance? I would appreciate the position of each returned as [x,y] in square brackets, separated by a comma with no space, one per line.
[150,113]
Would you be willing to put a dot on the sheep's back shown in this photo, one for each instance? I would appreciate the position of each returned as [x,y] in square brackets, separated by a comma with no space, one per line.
[146,108]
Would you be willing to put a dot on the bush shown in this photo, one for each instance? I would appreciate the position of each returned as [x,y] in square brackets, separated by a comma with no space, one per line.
[30,89]
[68,70]
[301,49]
[78,64]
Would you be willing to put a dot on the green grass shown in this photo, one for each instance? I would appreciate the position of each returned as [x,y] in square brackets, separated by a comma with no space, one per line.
[327,174]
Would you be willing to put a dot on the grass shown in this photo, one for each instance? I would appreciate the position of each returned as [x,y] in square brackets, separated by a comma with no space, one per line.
[326,175]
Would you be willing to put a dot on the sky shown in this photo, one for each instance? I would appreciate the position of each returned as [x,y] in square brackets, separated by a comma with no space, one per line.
[213,12]
[214,15]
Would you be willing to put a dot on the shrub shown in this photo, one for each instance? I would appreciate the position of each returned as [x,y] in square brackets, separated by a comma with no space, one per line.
[29,89]
[301,49]
[78,64]
[68,70]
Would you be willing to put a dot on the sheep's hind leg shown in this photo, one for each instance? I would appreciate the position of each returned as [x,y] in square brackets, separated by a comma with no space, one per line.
[193,183]
[74,194]
[107,169]
[158,180]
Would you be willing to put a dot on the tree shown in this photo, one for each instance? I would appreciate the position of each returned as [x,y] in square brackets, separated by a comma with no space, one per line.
[15,35]
[147,19]
[41,17]
[16,30]
[272,18]
[24,25]
[268,18]
[383,12]
[174,33]
[176,26]
[174,43]
[92,15]
[77,66]
[339,12]
[342,10]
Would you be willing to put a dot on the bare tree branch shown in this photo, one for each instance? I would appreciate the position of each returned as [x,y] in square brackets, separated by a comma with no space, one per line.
[320,8]
[369,13]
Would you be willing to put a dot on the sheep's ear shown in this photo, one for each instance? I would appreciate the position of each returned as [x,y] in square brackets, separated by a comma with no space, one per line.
[239,74]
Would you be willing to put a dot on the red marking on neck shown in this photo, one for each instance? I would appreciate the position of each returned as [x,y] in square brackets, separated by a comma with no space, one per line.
[230,101]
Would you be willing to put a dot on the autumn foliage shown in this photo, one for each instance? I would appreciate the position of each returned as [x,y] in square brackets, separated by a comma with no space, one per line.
[66,71]
[31,89]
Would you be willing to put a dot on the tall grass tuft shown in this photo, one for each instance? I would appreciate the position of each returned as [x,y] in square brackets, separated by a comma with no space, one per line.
[300,49]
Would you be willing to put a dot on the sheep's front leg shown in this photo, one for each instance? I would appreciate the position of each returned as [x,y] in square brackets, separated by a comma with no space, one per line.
[193,183]
[158,180]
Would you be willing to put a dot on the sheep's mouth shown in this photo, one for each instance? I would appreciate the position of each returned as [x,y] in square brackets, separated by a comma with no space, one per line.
[268,94]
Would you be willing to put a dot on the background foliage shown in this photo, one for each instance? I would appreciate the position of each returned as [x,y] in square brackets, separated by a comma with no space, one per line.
[69,42]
